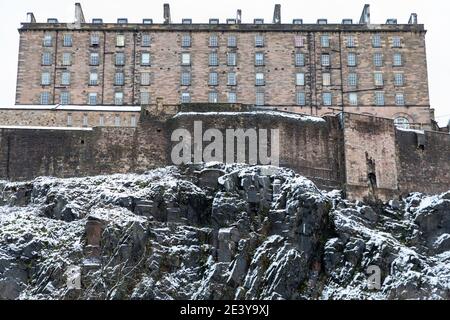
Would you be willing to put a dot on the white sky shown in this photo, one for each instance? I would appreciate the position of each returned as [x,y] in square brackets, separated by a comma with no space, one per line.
[432,13]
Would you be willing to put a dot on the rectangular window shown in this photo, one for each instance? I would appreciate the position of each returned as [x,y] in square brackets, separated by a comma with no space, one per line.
[101,120]
[47,59]
[398,60]
[326,79]
[351,42]
[45,79]
[213,41]
[213,97]
[64,98]
[231,79]
[133,121]
[185,78]
[231,59]
[117,120]
[325,59]
[378,78]
[67,40]
[145,59]
[213,59]
[145,79]
[379,98]
[69,120]
[259,59]
[120,40]
[94,59]
[45,98]
[145,98]
[186,59]
[259,79]
[232,42]
[352,79]
[259,41]
[67,59]
[351,59]
[326,98]
[120,59]
[325,41]
[300,79]
[378,59]
[85,120]
[185,97]
[93,78]
[260,98]
[353,98]
[118,98]
[301,98]
[119,79]
[396,42]
[48,40]
[376,41]
[298,41]
[399,99]
[92,98]
[232,98]
[65,78]
[213,79]
[398,79]
[146,40]
[186,41]
[95,39]
[299,60]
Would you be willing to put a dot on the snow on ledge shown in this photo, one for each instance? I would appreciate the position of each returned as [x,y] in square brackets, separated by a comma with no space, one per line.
[74,108]
[411,130]
[47,128]
[246,113]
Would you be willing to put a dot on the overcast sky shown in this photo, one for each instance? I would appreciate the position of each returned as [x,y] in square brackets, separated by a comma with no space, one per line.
[432,13]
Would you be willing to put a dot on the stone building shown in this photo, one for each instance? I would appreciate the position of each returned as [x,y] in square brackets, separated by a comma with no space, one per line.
[102,73]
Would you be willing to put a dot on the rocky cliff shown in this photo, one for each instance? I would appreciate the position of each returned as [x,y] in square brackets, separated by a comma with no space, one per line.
[217,232]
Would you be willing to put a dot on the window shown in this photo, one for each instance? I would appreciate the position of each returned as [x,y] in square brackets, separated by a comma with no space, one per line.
[69,120]
[213,41]
[93,78]
[85,120]
[101,120]
[186,59]
[92,98]
[65,78]
[212,97]
[301,98]
[401,122]
[120,40]
[213,59]
[398,60]
[326,79]
[353,98]
[67,59]
[300,79]
[259,41]
[259,79]
[396,42]
[145,98]
[325,59]
[352,79]
[48,40]
[231,59]
[379,98]
[45,78]
[378,59]
[95,39]
[298,41]
[145,59]
[64,98]
[376,41]
[351,42]
[67,40]
[133,121]
[94,59]
[185,97]
[213,79]
[186,41]
[185,78]
[231,79]
[120,59]
[351,59]
[47,59]
[259,59]
[232,42]
[326,98]
[399,99]
[145,79]
[118,98]
[45,98]
[299,60]
[119,79]
[378,78]
[398,79]
[260,98]
[232,98]
[117,120]
[325,41]
[146,40]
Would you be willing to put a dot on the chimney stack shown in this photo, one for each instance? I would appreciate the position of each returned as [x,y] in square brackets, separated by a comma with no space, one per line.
[167,18]
[239,16]
[31,18]
[365,16]
[413,18]
[79,15]
[277,14]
